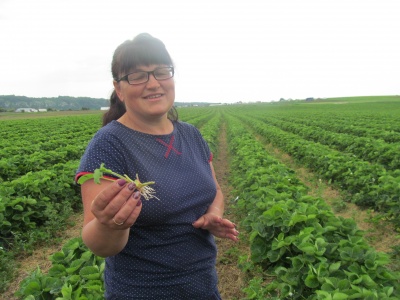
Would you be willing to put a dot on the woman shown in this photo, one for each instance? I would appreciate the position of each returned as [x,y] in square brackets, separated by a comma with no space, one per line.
[161,248]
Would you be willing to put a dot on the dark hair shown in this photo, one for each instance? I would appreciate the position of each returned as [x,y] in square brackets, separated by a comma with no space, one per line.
[143,50]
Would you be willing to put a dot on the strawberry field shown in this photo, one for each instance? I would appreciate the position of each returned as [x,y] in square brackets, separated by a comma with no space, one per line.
[296,240]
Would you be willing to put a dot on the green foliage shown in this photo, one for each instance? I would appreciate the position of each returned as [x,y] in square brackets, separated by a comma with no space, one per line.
[38,161]
[369,183]
[7,268]
[76,273]
[296,239]
[312,253]
[42,199]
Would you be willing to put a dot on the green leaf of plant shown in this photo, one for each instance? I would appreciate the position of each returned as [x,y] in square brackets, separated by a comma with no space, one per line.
[58,257]
[90,272]
[33,288]
[339,296]
[85,178]
[57,270]
[18,207]
[66,291]
[334,267]
[297,219]
[311,281]
[75,266]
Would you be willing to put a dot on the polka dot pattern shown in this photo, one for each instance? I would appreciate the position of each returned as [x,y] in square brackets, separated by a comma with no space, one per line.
[165,257]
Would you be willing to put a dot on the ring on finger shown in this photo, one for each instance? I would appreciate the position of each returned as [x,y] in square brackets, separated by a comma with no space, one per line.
[116,223]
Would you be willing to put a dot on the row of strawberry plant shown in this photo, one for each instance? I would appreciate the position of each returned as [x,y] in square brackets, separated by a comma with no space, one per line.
[377,121]
[43,127]
[18,165]
[196,116]
[366,148]
[32,145]
[76,273]
[354,125]
[37,193]
[210,132]
[34,208]
[296,238]
[29,153]
[370,185]
[59,134]
[37,203]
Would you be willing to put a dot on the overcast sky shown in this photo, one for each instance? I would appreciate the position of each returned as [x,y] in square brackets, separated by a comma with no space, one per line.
[223,50]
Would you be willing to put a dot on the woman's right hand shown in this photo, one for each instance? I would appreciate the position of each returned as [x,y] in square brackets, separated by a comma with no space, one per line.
[110,209]
[118,205]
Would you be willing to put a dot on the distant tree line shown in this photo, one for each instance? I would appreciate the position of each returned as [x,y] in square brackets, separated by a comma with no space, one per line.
[12,102]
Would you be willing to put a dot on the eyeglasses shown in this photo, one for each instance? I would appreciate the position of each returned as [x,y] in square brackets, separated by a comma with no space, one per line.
[143,76]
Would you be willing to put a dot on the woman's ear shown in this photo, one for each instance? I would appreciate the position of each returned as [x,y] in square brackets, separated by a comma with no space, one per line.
[117,89]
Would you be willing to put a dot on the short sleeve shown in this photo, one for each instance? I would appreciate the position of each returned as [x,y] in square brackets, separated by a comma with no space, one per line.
[103,148]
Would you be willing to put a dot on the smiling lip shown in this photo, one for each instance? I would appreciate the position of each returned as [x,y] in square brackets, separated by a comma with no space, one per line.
[153,96]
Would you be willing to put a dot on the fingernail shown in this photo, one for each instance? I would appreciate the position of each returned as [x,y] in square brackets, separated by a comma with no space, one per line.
[121,182]
[139,203]
[136,195]
[131,186]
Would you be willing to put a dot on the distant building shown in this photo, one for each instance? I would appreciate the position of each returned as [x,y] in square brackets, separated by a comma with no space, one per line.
[26,110]
[104,108]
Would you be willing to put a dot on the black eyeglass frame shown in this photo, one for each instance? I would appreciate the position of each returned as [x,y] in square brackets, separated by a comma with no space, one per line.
[125,77]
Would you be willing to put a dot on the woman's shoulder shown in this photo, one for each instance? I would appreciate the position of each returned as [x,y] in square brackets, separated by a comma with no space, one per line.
[189,131]
[112,129]
[184,126]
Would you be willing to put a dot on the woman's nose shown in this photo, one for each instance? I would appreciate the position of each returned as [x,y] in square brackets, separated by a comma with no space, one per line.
[152,82]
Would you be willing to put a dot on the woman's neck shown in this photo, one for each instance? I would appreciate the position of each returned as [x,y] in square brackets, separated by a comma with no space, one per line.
[155,126]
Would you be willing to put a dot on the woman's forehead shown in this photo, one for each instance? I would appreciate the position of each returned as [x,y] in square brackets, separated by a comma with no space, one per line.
[150,67]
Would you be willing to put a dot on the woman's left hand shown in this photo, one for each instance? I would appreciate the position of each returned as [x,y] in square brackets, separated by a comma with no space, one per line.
[219,227]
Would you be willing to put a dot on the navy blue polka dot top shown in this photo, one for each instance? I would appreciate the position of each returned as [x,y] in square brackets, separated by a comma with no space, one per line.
[165,257]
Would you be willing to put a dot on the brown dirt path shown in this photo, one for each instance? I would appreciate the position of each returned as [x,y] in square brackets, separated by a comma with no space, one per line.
[231,279]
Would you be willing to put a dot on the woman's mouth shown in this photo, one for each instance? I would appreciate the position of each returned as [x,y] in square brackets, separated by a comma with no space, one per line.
[153,96]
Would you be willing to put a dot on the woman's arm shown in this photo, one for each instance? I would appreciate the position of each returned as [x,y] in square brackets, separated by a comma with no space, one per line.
[110,209]
[217,206]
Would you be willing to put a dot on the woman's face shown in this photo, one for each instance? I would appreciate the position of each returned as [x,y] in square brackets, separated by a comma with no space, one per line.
[151,99]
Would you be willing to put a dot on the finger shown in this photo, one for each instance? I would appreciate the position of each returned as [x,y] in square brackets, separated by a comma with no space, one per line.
[199,222]
[227,223]
[108,193]
[213,220]
[112,198]
[130,211]
[224,232]
[134,213]
[232,237]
